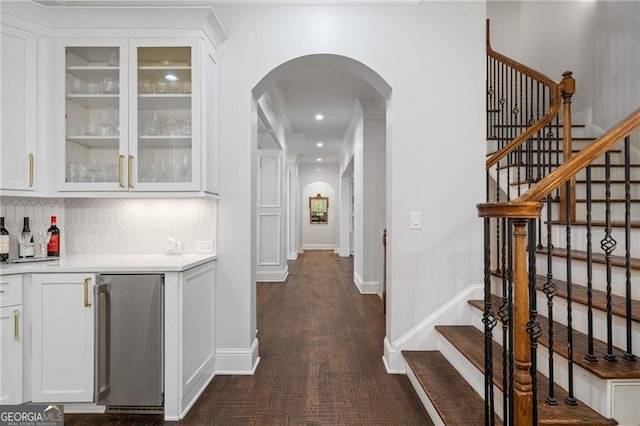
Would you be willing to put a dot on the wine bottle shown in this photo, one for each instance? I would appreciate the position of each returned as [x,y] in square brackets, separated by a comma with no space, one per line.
[27,249]
[4,242]
[53,248]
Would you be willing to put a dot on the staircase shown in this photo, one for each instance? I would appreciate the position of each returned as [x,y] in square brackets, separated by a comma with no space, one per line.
[562,277]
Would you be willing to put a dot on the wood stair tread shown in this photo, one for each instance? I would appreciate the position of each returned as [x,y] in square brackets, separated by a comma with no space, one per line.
[619,261]
[470,342]
[599,297]
[455,400]
[556,151]
[603,369]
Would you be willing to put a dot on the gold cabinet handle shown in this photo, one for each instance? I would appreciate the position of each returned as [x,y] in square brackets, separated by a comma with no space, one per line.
[120,160]
[130,170]
[31,170]
[86,292]
[16,327]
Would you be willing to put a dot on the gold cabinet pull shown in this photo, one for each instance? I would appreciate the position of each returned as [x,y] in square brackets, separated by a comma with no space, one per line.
[86,292]
[120,160]
[130,170]
[16,327]
[31,170]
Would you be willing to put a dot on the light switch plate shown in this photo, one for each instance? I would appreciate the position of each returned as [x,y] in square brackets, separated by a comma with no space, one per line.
[416,220]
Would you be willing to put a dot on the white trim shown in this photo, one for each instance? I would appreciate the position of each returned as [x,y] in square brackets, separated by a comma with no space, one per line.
[292,256]
[278,217]
[423,336]
[83,407]
[278,178]
[273,276]
[365,287]
[196,396]
[237,361]
[318,247]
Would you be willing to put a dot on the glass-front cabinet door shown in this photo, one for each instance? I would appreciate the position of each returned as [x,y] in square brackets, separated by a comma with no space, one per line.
[131,115]
[164,120]
[94,114]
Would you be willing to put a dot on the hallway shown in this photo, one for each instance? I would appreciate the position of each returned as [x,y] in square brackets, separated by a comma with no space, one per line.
[321,346]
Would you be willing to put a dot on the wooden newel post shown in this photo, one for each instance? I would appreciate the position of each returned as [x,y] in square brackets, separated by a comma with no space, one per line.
[568,85]
[522,381]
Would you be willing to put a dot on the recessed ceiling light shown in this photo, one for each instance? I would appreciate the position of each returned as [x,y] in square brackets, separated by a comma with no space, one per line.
[319,144]
[171,77]
[318,159]
[319,117]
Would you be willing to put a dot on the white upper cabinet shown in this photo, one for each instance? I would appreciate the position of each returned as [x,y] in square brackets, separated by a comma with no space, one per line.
[18,81]
[132,115]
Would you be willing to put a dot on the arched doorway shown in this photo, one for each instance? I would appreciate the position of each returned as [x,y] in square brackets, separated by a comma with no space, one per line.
[357,163]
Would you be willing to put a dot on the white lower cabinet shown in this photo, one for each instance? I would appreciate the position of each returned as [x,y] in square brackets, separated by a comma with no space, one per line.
[11,339]
[11,342]
[63,338]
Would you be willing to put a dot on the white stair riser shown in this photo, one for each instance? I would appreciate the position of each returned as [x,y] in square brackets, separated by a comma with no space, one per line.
[598,191]
[598,211]
[579,239]
[588,388]
[617,173]
[579,322]
[579,275]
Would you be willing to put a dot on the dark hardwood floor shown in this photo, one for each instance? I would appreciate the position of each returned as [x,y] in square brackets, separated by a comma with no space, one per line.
[321,346]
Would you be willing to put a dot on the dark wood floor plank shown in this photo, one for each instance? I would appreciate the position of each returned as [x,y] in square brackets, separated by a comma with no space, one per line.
[455,400]
[470,342]
[321,346]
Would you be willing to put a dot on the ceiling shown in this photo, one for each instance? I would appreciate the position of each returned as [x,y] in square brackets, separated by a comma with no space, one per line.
[321,89]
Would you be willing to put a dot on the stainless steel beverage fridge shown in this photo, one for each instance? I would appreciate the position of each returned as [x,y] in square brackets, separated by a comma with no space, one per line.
[129,342]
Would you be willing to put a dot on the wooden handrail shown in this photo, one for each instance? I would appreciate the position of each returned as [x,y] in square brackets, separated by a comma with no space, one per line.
[558,90]
[521,207]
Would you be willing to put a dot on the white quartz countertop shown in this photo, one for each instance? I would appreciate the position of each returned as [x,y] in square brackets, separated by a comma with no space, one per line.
[110,263]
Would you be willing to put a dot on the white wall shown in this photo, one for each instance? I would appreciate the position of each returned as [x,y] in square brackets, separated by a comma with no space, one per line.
[432,55]
[599,43]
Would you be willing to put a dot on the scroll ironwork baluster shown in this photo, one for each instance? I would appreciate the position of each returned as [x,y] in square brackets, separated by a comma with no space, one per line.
[533,325]
[608,245]
[489,322]
[550,291]
[504,315]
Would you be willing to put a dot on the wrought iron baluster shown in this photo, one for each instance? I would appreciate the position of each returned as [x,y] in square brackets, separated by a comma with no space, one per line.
[533,326]
[489,322]
[504,315]
[608,245]
[550,291]
[628,355]
[590,356]
[570,399]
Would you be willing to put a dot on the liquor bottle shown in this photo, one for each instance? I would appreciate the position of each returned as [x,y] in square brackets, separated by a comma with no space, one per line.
[26,250]
[53,248]
[4,242]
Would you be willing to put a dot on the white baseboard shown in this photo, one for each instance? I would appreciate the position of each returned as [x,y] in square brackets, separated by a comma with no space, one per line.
[83,408]
[292,256]
[423,336]
[318,247]
[237,361]
[366,287]
[273,276]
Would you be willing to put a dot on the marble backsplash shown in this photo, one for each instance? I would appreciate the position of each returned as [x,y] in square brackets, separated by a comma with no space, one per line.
[115,226]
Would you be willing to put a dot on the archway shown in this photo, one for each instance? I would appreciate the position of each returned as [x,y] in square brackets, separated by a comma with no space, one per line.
[360,172]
